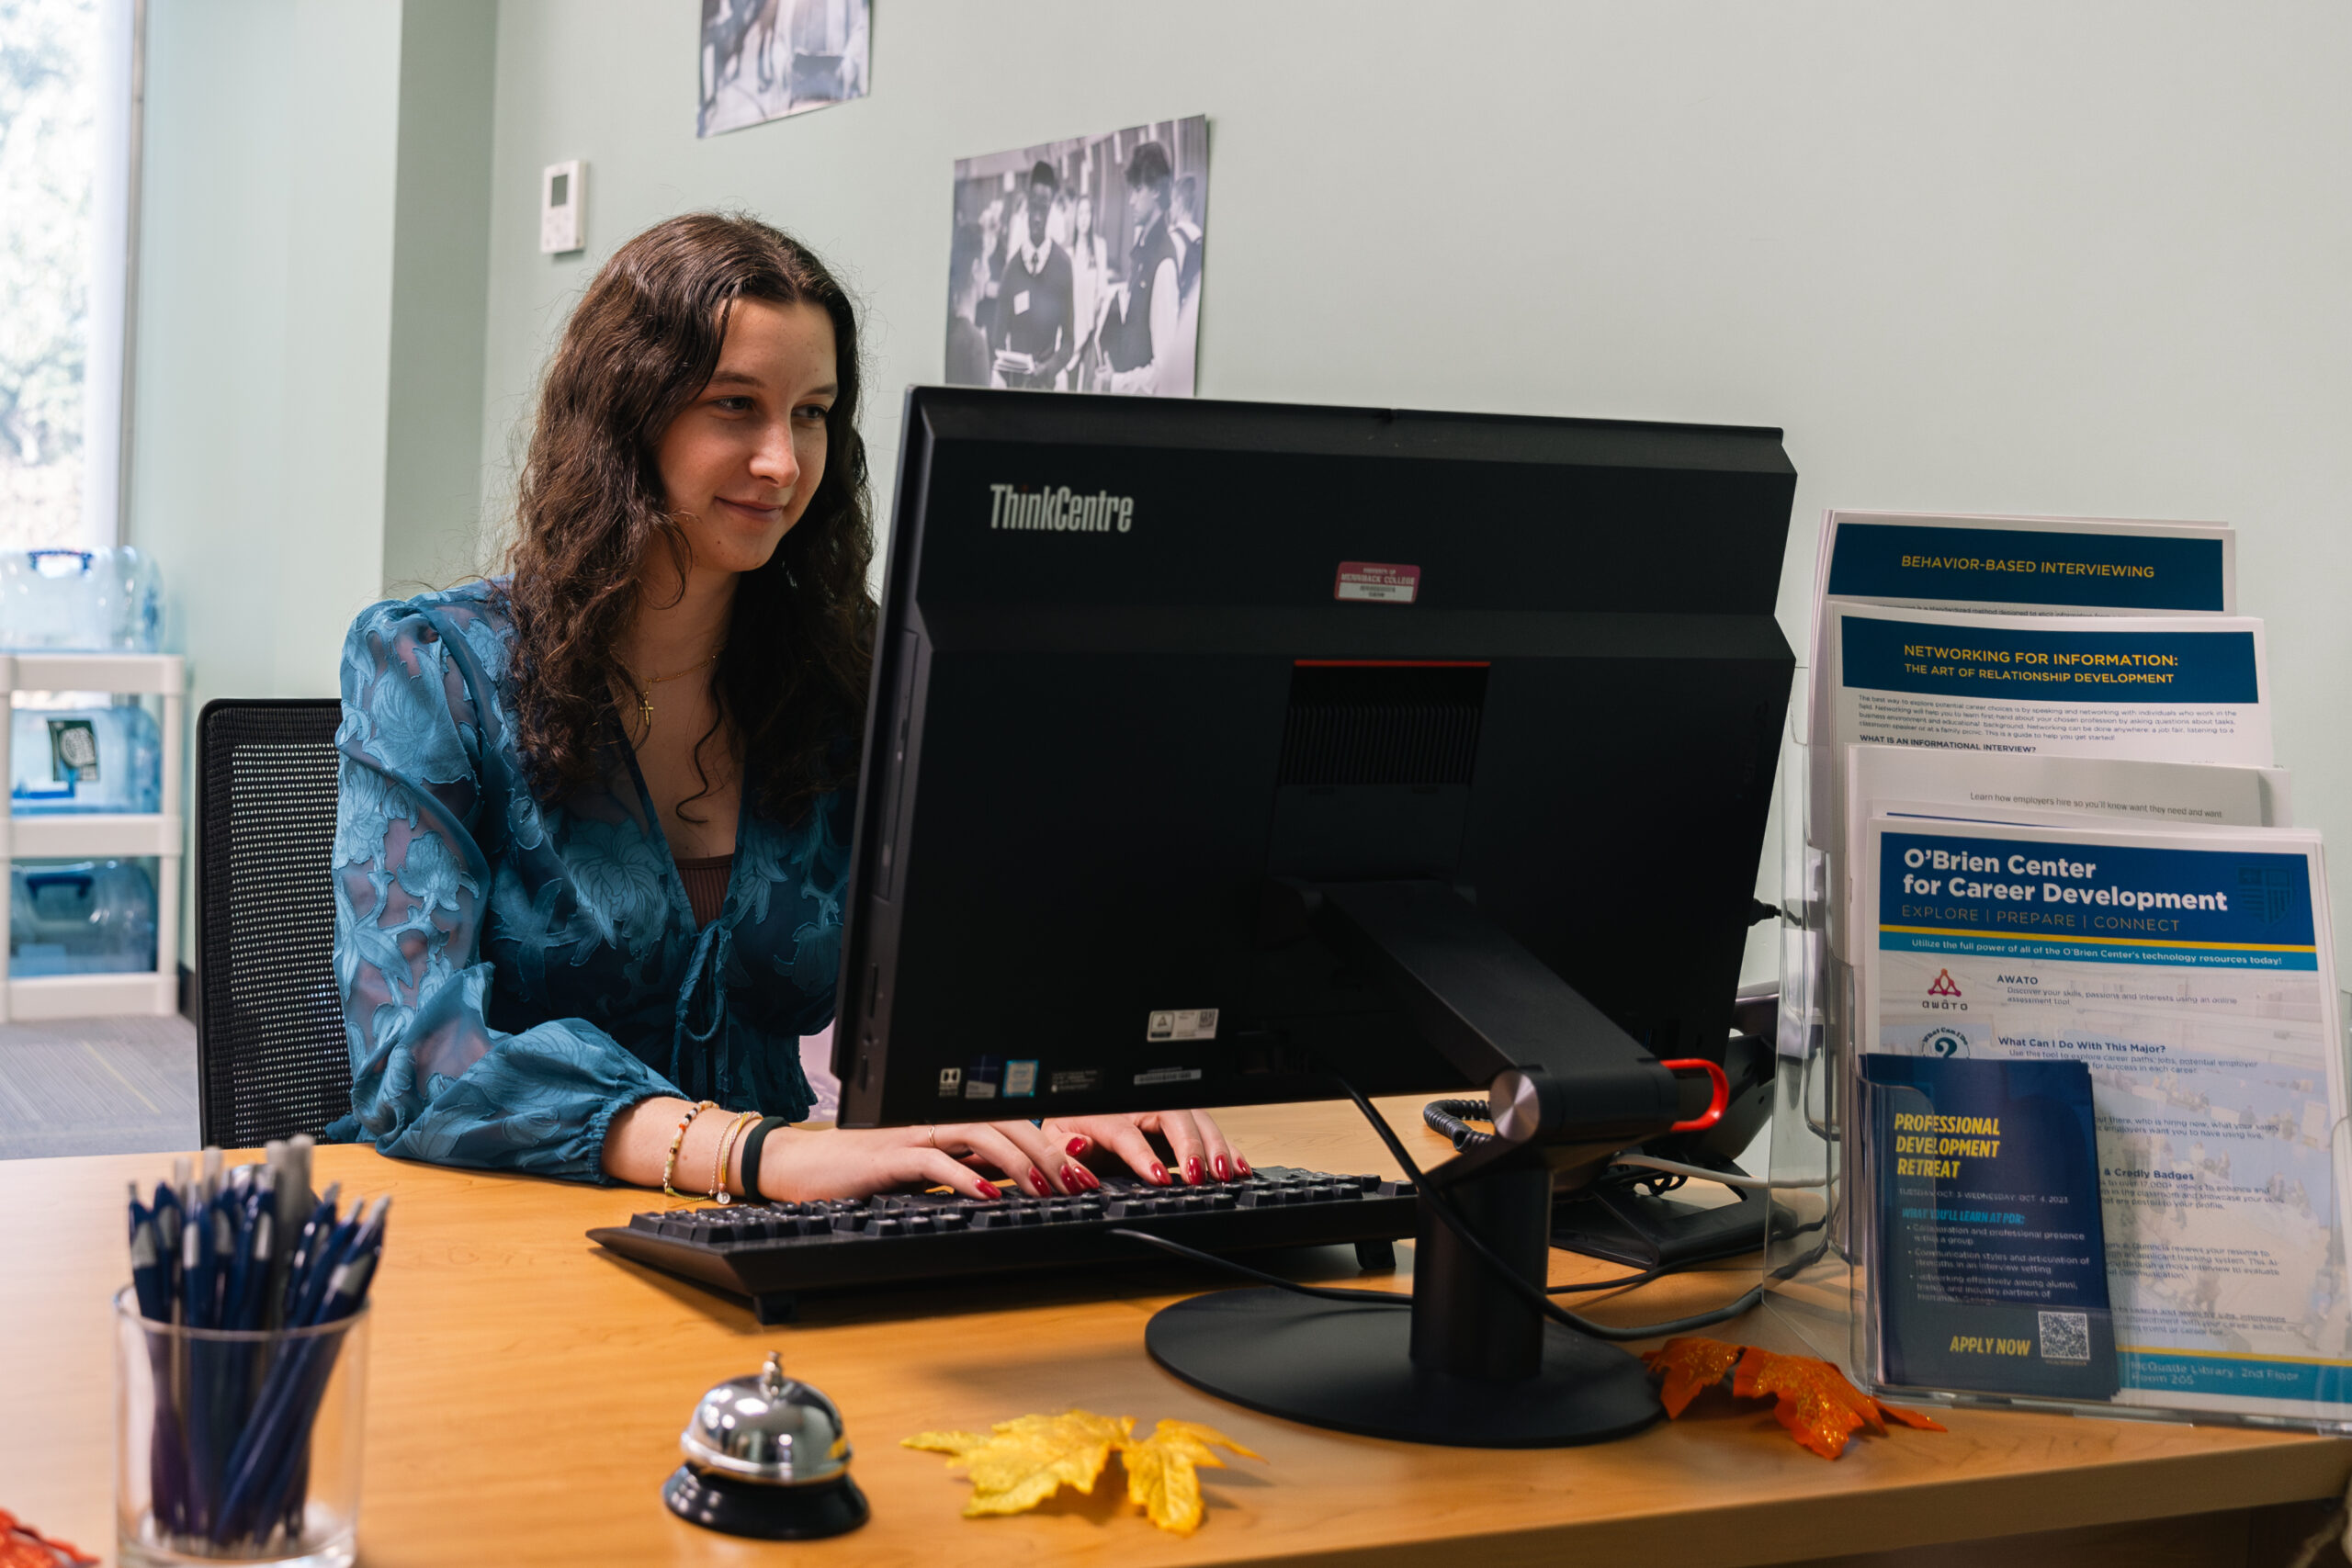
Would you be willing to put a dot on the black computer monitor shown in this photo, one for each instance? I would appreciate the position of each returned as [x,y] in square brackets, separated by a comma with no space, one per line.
[1216,749]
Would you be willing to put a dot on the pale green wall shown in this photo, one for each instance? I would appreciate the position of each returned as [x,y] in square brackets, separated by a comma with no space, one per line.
[1974,256]
[265,264]
[307,411]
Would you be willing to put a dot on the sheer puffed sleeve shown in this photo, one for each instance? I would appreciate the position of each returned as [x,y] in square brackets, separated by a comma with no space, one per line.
[431,1080]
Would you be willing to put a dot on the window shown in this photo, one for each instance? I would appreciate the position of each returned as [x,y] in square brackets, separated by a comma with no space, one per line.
[67,168]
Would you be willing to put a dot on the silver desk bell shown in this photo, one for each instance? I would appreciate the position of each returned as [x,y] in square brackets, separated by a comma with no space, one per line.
[766,1457]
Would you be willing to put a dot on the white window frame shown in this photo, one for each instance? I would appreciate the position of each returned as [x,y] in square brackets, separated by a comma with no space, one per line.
[119,123]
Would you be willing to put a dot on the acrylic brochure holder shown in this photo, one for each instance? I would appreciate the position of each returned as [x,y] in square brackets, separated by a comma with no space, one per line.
[1820,1274]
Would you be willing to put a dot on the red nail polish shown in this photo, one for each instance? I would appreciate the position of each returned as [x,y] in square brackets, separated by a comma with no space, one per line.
[1192,1172]
[1071,1180]
[1093,1183]
[1243,1164]
[1037,1180]
[989,1191]
[1079,1144]
[1159,1174]
[1224,1171]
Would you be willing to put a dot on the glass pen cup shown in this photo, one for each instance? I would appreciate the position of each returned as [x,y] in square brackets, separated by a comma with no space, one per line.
[237,1447]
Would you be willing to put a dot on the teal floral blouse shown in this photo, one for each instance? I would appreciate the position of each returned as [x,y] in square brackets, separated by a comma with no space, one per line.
[513,973]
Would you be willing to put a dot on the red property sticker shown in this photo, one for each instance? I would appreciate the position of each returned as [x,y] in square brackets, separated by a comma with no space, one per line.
[1381,584]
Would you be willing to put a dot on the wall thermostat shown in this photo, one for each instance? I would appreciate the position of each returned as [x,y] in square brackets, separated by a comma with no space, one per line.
[561,193]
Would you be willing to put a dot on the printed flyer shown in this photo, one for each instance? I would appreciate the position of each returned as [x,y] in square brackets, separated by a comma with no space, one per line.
[2002,786]
[2037,565]
[1989,1249]
[2177,689]
[2192,971]
[2041,566]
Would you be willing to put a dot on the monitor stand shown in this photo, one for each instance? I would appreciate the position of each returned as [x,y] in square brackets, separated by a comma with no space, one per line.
[1471,1364]
[1616,1222]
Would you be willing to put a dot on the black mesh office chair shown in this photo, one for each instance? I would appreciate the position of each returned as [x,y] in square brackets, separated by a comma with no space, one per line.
[270,1056]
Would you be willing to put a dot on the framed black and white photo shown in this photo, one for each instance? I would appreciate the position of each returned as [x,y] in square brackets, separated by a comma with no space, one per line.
[1075,265]
[763,59]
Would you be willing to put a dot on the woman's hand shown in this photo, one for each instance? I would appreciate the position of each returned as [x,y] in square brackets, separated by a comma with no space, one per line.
[1198,1152]
[1041,1161]
[800,1164]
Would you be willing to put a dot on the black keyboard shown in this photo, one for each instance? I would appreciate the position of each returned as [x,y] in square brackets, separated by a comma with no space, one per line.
[770,1252]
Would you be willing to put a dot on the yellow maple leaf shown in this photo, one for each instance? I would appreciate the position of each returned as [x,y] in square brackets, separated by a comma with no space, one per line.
[1025,1460]
[954,1445]
[1020,1463]
[1163,1472]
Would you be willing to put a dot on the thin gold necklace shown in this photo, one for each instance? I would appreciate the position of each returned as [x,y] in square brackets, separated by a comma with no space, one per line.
[645,693]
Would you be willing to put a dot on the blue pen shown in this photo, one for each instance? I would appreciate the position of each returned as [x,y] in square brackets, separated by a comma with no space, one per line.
[232,1237]
[149,1280]
[315,1229]
[267,1465]
[147,1272]
[166,1210]
[196,1272]
[224,1256]
[319,1277]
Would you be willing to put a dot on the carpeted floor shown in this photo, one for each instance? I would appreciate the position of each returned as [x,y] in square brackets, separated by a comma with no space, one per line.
[102,1086]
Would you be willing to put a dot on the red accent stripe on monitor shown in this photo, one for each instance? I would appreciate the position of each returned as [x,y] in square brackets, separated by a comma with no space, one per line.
[1392,664]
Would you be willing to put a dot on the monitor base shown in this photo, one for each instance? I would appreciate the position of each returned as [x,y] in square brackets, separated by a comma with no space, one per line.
[1642,1232]
[1349,1368]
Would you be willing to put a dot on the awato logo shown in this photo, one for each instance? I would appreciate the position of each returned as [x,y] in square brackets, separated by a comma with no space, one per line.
[1061,510]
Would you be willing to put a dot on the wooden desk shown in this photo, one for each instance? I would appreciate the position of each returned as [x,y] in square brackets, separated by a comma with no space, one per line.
[527,1388]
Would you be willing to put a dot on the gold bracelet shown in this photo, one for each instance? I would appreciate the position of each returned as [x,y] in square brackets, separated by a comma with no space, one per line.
[726,1146]
[669,1166]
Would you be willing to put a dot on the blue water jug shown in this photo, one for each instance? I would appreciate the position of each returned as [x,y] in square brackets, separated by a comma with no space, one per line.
[102,600]
[88,916]
[102,758]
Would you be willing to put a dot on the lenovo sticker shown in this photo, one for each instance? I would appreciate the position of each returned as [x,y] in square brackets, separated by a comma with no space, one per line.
[1378,583]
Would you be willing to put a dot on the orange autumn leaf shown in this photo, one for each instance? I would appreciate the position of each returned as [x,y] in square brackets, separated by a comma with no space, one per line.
[1818,1405]
[1911,1418]
[1812,1399]
[21,1546]
[1689,1365]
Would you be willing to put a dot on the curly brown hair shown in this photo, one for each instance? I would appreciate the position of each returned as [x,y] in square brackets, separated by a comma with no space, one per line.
[642,343]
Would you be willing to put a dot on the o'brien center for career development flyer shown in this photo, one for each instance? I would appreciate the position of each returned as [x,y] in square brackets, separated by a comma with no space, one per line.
[2190,970]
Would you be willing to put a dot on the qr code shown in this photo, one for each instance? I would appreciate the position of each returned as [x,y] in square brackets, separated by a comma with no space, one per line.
[2065,1337]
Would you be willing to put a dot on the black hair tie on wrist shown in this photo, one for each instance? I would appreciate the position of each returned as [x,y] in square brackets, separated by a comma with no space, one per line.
[751,1159]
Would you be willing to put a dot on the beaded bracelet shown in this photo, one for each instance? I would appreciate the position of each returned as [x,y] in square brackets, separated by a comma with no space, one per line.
[719,1193]
[669,1166]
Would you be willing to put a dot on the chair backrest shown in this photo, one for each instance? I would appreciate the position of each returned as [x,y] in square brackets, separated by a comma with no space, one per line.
[271,1057]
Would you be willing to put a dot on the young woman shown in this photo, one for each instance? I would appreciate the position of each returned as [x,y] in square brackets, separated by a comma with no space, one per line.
[593,829]
[1090,292]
